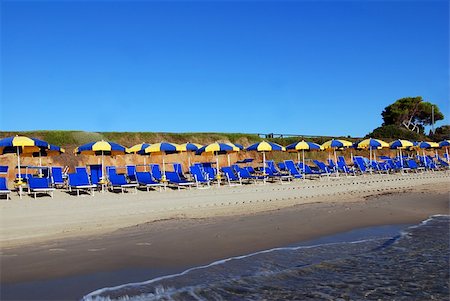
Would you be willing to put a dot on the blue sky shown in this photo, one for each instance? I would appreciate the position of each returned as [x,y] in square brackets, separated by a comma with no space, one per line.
[296,67]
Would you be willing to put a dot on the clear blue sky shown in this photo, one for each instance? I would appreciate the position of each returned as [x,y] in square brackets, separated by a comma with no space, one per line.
[307,67]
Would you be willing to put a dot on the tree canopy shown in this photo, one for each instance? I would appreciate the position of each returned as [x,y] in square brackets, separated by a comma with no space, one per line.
[412,113]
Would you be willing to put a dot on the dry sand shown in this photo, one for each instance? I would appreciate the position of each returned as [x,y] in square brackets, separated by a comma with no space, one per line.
[43,238]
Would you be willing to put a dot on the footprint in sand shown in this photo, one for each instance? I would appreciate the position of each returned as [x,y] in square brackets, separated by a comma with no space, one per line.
[143,244]
[57,250]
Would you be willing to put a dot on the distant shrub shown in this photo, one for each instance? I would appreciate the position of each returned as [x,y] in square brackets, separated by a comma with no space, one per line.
[395,132]
[441,133]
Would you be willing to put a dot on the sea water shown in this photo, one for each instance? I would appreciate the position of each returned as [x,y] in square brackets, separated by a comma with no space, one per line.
[411,264]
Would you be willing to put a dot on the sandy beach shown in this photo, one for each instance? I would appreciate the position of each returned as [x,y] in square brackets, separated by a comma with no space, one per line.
[42,239]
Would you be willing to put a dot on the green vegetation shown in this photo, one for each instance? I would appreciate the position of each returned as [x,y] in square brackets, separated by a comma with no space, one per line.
[395,132]
[75,138]
[441,133]
[406,118]
[411,113]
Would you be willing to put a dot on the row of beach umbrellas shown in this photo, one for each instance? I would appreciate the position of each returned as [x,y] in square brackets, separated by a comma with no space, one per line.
[24,146]
[28,147]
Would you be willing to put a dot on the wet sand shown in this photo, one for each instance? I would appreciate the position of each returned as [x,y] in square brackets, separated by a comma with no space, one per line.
[144,250]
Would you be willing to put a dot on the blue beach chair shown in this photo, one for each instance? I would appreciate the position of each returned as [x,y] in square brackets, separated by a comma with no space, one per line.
[57,176]
[322,167]
[119,181]
[293,171]
[145,179]
[4,188]
[199,176]
[40,185]
[232,178]
[244,174]
[277,176]
[174,179]
[131,173]
[306,170]
[79,181]
[96,173]
[156,171]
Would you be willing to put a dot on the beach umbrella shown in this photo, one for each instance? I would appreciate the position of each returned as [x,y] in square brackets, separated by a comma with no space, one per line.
[265,146]
[335,144]
[241,147]
[162,148]
[371,144]
[135,149]
[190,147]
[303,146]
[217,148]
[101,148]
[445,144]
[426,145]
[50,151]
[21,145]
[401,144]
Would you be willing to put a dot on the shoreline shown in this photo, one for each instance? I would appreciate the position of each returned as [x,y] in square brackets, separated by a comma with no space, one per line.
[204,236]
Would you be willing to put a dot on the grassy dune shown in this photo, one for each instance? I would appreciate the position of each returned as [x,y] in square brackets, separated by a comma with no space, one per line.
[75,138]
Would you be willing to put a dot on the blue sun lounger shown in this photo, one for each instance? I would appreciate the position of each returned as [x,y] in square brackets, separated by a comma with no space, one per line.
[277,176]
[174,178]
[3,170]
[343,167]
[145,179]
[96,173]
[322,167]
[244,174]
[306,170]
[199,176]
[293,171]
[412,164]
[360,164]
[40,185]
[119,181]
[233,178]
[131,173]
[80,181]
[443,163]
[156,171]
[57,176]
[179,170]
[4,188]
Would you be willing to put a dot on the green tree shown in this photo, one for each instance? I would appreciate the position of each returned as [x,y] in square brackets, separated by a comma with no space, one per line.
[441,133]
[412,113]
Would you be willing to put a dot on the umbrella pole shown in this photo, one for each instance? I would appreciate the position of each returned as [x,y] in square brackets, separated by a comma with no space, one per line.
[145,164]
[103,172]
[229,161]
[401,158]
[424,159]
[264,167]
[218,170]
[164,168]
[303,153]
[335,160]
[18,166]
[298,156]
[446,151]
